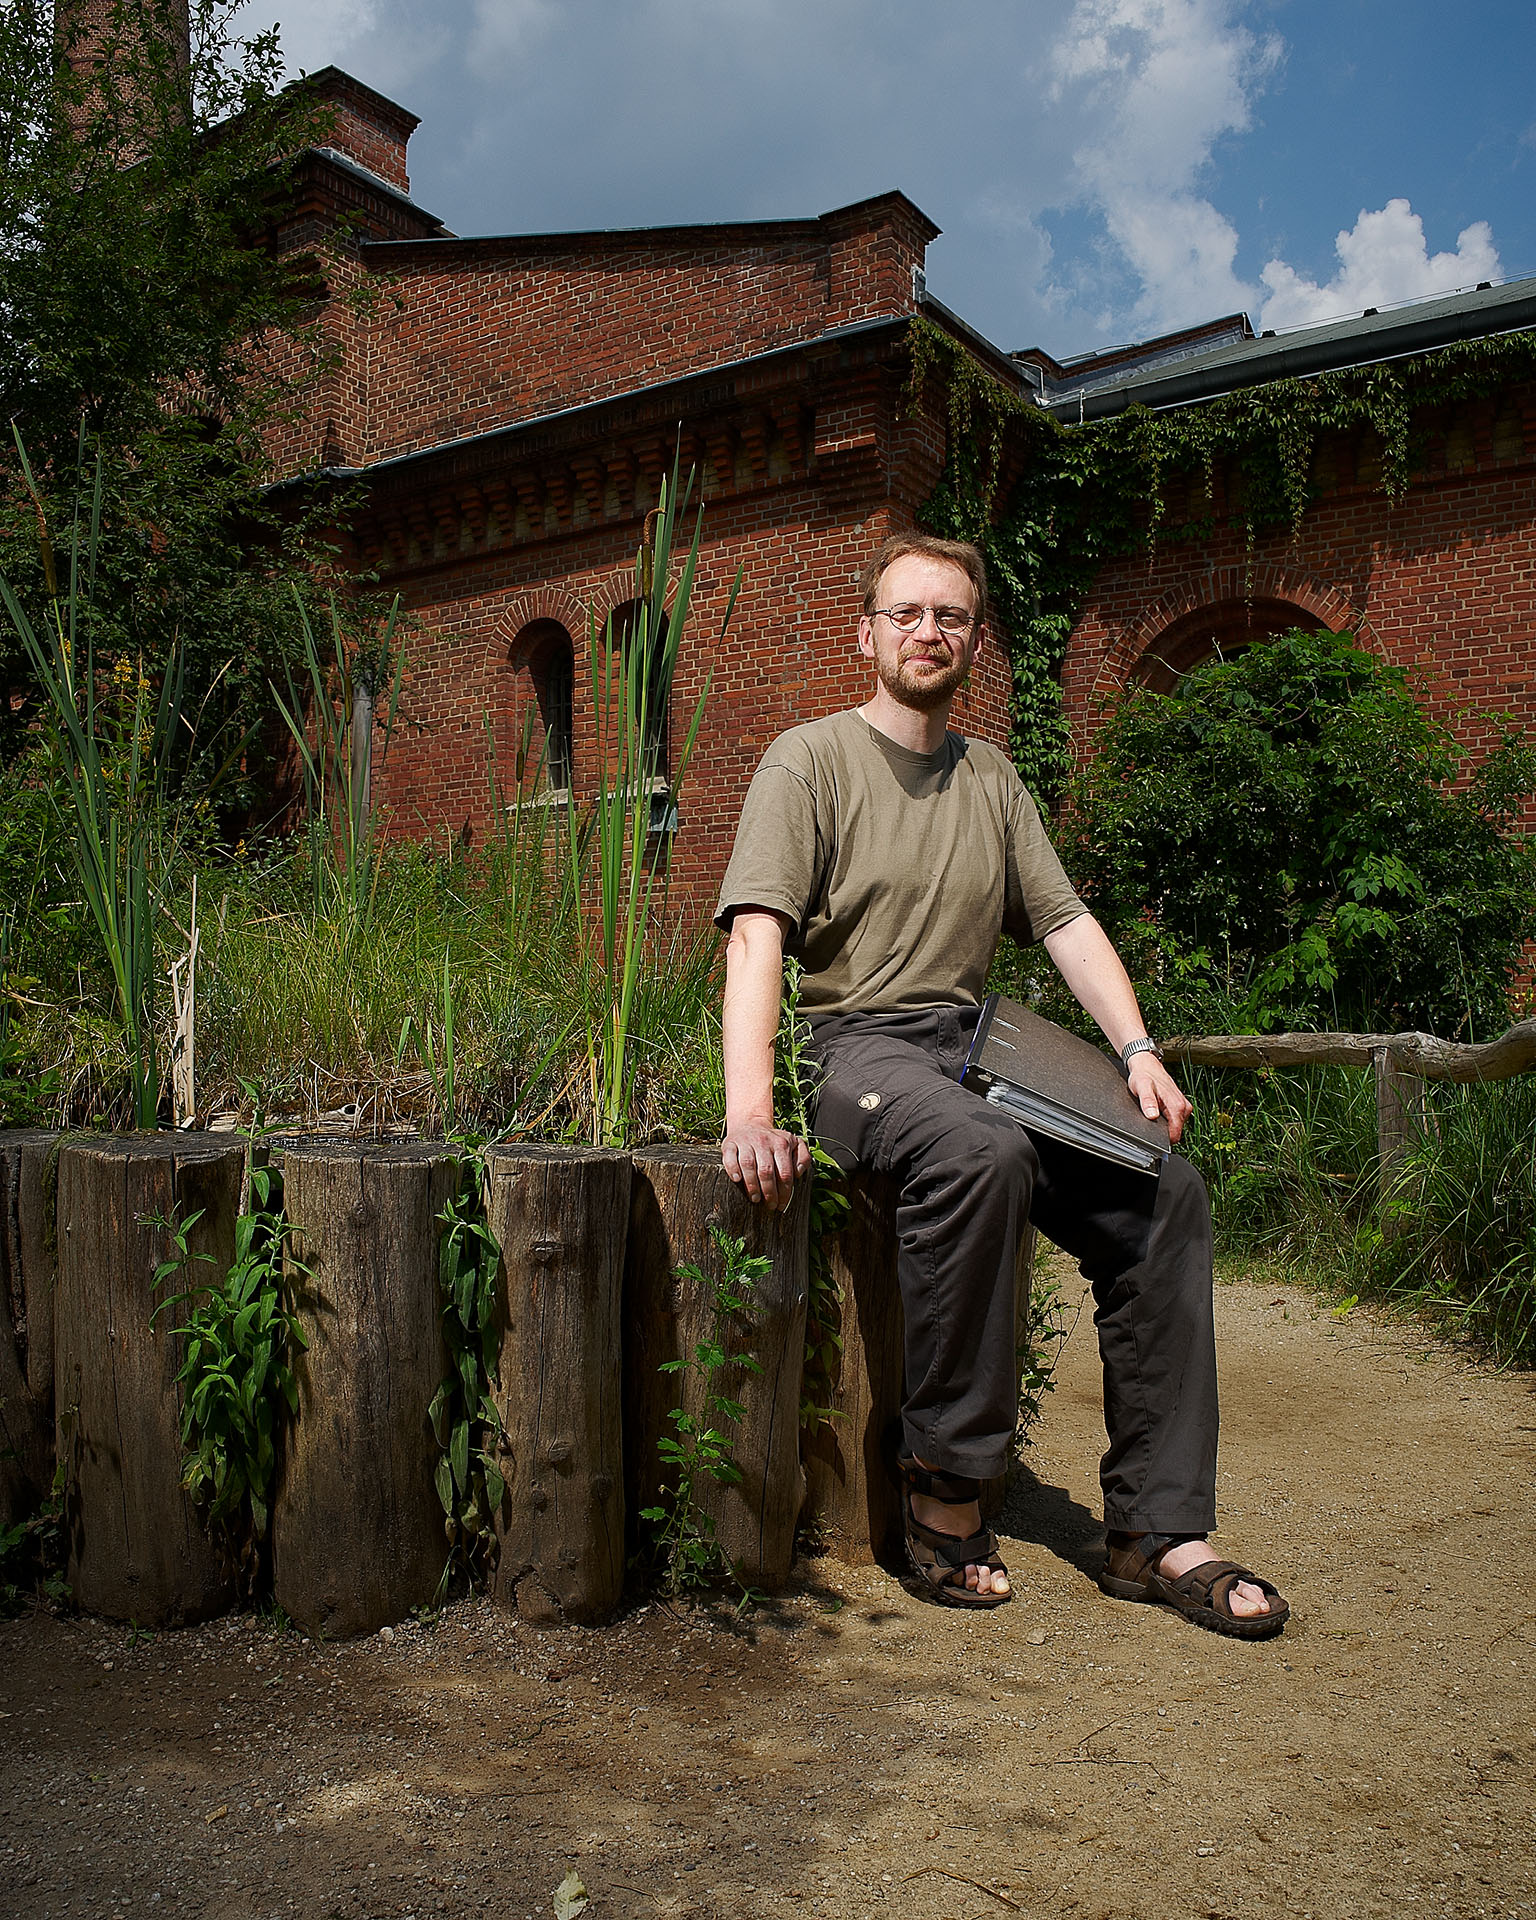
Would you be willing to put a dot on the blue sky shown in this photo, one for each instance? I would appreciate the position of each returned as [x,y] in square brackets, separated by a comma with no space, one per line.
[1103,169]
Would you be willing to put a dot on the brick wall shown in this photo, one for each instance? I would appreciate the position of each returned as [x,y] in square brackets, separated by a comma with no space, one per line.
[1441,581]
[473,334]
[790,655]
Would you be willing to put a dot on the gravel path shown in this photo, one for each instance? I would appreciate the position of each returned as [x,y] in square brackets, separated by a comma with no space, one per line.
[852,1751]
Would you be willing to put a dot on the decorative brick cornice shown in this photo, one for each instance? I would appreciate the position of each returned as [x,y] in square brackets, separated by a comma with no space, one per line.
[819,415]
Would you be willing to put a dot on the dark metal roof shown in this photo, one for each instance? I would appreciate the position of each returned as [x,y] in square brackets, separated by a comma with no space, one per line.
[1362,340]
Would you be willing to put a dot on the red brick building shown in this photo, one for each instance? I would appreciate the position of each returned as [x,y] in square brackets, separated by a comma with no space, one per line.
[507,406]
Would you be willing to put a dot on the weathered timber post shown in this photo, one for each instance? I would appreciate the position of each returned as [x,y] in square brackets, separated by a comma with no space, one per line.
[850,1458]
[677,1194]
[26,1325]
[137,1548]
[357,1528]
[1400,1120]
[561,1218]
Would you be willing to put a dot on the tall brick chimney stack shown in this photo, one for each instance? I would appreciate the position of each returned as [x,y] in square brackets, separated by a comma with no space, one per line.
[107,37]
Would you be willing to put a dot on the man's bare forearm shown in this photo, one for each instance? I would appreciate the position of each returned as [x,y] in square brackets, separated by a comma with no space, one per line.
[758,1155]
[749,1020]
[1082,954]
[1085,959]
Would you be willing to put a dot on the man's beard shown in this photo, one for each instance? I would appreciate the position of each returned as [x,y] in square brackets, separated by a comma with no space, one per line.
[923,694]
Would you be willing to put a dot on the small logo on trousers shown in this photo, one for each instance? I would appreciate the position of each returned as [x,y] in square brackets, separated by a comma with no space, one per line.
[869,1101]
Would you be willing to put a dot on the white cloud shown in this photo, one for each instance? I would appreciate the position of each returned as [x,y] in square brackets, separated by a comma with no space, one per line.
[1156,83]
[313,37]
[1383,258]
[506,27]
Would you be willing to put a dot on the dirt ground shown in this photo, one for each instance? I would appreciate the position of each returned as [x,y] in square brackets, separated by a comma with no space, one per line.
[853,1751]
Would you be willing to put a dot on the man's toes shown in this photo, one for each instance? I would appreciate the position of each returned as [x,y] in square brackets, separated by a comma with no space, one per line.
[1248,1600]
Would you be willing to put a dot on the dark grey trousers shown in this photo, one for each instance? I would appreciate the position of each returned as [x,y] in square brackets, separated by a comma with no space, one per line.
[970,1177]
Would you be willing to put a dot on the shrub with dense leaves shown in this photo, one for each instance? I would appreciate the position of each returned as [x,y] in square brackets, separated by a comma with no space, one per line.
[1289,840]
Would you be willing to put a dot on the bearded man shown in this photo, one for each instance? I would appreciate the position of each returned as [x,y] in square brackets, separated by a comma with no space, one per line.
[887,854]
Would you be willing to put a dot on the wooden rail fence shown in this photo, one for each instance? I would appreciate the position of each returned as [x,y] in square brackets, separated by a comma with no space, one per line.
[1399,1062]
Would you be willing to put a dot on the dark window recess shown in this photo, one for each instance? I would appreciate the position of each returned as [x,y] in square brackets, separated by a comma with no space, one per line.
[555,700]
[1216,632]
[656,745]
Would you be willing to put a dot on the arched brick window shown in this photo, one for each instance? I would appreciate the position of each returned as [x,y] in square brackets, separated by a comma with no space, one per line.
[544,651]
[1213,632]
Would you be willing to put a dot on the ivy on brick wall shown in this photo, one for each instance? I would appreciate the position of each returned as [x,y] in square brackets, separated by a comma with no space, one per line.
[1049,505]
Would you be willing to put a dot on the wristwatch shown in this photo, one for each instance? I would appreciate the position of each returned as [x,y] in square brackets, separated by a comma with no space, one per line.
[1146,1044]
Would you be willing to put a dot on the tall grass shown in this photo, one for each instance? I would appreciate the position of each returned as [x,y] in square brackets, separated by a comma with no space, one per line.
[112,737]
[1468,1202]
[1290,1159]
[616,853]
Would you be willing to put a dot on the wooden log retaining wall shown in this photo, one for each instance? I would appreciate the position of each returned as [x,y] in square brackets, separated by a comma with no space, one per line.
[26,1326]
[590,1303]
[137,1548]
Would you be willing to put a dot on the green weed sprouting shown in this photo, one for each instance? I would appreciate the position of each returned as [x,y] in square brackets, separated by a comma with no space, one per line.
[33,1551]
[111,739]
[465,1423]
[795,1075]
[1038,1354]
[236,1376]
[683,1534]
[464,1419]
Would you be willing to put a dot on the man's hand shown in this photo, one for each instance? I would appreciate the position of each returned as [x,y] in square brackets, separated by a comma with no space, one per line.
[767,1161]
[1155,1091]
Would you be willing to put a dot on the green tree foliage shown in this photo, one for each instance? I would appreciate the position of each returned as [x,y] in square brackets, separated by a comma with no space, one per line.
[1288,841]
[141,299]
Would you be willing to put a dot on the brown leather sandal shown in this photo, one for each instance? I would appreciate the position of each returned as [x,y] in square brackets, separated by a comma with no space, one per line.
[940,1559]
[1203,1595]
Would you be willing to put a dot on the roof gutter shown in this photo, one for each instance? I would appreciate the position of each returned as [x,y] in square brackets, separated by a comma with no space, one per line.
[1396,341]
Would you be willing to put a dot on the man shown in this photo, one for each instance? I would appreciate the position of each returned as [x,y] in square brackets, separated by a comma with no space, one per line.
[888,854]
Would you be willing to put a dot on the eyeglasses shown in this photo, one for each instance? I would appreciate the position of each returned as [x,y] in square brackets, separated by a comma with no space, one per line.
[954,621]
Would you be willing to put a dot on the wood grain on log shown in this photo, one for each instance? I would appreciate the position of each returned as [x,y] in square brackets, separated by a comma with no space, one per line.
[26,1325]
[850,1459]
[357,1528]
[677,1194]
[1417,1053]
[1400,1122]
[137,1548]
[561,1218]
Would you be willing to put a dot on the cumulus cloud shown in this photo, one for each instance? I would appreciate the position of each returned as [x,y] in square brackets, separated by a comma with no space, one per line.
[1157,83]
[312,37]
[1383,258]
[506,27]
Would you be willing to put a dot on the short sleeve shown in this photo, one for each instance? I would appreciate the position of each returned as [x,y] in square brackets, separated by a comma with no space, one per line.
[1040,897]
[775,860]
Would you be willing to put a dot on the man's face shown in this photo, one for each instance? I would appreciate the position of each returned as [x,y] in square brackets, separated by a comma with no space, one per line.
[923,669]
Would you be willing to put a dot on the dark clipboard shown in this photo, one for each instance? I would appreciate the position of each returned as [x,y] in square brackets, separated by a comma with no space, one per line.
[1055,1084]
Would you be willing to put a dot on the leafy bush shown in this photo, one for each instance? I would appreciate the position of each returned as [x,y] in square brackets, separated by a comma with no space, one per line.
[1289,840]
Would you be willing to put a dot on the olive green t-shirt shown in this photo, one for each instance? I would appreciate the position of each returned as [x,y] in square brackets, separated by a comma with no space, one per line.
[898,869]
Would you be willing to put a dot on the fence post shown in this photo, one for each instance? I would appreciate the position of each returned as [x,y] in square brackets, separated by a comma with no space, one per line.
[1399,1127]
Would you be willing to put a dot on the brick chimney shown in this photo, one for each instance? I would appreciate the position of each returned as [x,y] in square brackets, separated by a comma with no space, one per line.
[94,37]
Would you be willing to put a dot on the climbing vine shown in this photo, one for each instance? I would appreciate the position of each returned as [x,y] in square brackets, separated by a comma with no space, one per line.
[1050,504]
